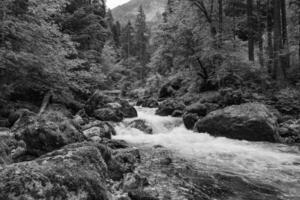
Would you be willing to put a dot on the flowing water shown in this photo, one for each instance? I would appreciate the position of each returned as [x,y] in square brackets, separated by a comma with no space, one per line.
[265,165]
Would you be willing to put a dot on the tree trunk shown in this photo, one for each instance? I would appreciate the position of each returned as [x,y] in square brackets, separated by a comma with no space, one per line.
[250,30]
[270,36]
[260,32]
[234,24]
[220,23]
[3,8]
[278,69]
[45,103]
[286,60]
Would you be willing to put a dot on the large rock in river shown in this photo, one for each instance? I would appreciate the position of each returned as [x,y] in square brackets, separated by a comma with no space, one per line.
[189,120]
[250,121]
[77,171]
[108,114]
[147,102]
[141,125]
[128,110]
[168,107]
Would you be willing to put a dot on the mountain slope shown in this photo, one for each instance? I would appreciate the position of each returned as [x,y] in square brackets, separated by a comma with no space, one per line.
[128,11]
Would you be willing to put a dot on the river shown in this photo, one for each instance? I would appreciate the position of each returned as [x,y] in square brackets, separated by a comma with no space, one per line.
[248,170]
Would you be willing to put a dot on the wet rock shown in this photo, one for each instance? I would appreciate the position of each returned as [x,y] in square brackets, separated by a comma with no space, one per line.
[190,119]
[177,113]
[141,125]
[147,103]
[167,107]
[128,110]
[251,121]
[77,171]
[108,114]
[98,130]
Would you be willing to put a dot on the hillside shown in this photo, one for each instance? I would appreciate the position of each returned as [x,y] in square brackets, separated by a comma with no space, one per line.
[153,10]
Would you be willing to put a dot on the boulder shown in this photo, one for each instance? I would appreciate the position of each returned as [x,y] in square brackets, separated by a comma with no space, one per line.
[46,133]
[166,91]
[201,109]
[289,131]
[250,121]
[169,89]
[190,119]
[128,110]
[210,97]
[98,130]
[77,171]
[97,100]
[141,125]
[167,107]
[108,114]
[198,108]
[147,103]
[177,113]
[231,97]
[44,136]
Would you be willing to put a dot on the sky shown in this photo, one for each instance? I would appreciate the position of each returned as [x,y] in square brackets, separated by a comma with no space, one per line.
[114,3]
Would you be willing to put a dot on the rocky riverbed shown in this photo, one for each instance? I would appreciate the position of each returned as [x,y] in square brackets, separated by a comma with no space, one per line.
[112,150]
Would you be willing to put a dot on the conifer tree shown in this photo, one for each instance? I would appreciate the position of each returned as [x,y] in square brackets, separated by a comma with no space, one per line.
[127,41]
[141,38]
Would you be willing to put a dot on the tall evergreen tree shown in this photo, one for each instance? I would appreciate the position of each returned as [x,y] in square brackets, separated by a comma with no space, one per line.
[127,41]
[278,69]
[141,39]
[250,30]
[116,33]
[220,22]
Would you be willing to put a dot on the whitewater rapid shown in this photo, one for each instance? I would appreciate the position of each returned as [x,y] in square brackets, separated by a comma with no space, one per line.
[274,164]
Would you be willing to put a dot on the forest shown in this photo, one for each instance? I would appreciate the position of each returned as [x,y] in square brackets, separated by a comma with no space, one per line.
[196,99]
